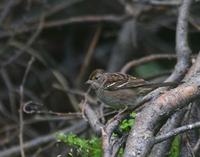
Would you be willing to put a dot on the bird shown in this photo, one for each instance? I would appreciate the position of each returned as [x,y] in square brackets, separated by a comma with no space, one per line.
[118,90]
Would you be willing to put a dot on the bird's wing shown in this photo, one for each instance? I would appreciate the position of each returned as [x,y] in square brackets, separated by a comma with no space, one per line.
[117,81]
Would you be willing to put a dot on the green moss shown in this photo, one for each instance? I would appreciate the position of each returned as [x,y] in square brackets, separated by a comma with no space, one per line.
[80,146]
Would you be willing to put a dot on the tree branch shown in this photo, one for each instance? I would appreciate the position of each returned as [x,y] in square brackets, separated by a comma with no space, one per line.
[182,48]
[176,131]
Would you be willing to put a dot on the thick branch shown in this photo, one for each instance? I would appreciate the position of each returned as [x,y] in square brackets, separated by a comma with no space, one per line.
[140,139]
[162,149]
[111,145]
[92,118]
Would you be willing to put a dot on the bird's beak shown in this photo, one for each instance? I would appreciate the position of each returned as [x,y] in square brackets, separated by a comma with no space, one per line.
[88,82]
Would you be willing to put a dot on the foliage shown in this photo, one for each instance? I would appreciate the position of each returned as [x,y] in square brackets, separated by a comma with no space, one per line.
[128,123]
[92,147]
[80,146]
[175,148]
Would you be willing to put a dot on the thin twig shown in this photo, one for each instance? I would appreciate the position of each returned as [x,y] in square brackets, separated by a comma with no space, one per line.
[27,45]
[88,56]
[80,19]
[59,77]
[61,6]
[176,131]
[64,83]
[10,88]
[41,149]
[87,18]
[197,146]
[194,23]
[21,120]
[146,59]
[167,3]
[76,128]
[7,9]
[36,34]
[75,92]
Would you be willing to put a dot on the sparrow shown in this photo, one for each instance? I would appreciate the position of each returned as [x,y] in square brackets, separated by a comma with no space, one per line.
[118,90]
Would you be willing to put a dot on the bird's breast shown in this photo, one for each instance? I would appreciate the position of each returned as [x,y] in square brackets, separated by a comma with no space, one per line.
[117,97]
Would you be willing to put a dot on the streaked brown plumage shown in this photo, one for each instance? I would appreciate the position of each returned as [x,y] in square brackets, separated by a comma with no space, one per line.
[118,90]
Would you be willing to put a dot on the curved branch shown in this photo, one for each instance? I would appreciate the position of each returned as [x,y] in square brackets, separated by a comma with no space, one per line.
[183,50]
[145,59]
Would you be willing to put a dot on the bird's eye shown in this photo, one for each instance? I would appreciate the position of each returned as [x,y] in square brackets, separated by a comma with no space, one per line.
[95,77]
